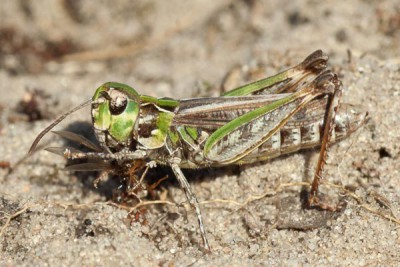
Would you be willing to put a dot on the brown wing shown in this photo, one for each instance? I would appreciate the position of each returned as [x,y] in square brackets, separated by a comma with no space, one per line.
[212,113]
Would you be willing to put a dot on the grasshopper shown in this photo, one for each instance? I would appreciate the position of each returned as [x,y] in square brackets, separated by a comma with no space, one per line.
[292,110]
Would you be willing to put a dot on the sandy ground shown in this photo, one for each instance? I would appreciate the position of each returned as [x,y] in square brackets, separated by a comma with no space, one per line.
[65,49]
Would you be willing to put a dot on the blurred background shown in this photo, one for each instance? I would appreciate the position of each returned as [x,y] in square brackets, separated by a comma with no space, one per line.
[55,53]
[168,47]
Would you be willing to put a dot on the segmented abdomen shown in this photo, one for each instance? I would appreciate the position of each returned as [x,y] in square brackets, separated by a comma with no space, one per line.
[300,134]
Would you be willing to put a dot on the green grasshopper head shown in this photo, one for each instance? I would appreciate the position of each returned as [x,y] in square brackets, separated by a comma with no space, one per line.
[115,111]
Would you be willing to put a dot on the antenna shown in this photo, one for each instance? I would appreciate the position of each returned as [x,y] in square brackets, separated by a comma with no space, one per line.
[54,123]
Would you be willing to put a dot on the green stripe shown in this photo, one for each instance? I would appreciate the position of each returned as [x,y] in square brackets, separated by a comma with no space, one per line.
[228,128]
[161,102]
[258,85]
[185,136]
[193,132]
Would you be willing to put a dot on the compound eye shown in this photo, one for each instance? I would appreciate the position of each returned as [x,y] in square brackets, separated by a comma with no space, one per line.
[118,104]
